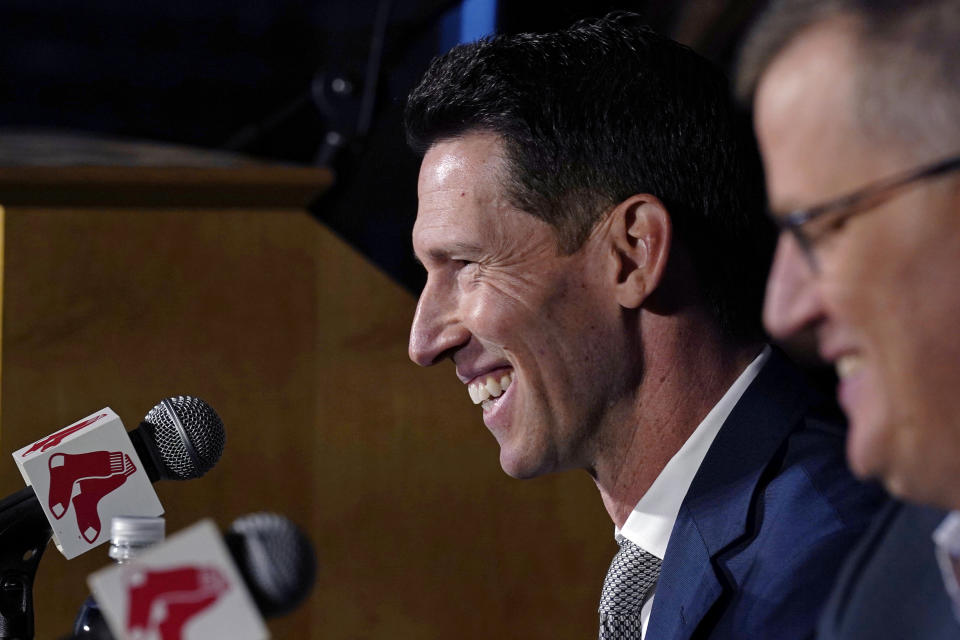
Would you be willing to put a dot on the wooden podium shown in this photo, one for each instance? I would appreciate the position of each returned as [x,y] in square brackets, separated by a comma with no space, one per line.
[132,280]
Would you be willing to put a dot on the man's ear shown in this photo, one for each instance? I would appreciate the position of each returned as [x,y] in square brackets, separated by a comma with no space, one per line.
[641,235]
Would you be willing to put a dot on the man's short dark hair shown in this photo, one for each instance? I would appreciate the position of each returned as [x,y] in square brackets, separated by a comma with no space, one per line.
[907,83]
[606,109]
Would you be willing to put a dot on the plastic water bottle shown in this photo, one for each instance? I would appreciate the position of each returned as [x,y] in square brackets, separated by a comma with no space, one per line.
[129,535]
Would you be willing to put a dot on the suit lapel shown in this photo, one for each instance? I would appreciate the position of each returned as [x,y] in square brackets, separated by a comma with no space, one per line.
[716,510]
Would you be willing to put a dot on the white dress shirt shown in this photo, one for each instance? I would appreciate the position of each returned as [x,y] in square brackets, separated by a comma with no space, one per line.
[651,521]
[947,540]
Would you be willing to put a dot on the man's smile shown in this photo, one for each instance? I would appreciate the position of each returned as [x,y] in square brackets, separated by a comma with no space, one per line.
[488,386]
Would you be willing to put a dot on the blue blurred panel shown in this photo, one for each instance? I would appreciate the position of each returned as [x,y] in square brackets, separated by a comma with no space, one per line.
[478,18]
[470,21]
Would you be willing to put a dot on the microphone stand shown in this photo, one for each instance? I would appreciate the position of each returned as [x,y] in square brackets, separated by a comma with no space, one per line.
[24,534]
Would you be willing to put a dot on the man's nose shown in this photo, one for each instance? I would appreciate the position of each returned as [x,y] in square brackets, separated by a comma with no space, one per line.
[793,300]
[436,331]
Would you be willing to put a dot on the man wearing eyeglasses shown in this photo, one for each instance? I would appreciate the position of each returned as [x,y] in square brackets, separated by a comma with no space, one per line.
[857,110]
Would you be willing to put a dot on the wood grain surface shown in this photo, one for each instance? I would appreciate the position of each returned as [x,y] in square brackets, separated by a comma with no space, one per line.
[300,344]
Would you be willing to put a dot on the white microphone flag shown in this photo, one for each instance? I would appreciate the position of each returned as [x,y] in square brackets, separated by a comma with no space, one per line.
[186,588]
[85,474]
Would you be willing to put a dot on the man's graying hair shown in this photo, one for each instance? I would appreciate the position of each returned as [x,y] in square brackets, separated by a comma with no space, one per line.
[604,110]
[907,84]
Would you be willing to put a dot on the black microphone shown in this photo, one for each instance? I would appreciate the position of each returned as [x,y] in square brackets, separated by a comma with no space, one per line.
[179,439]
[276,560]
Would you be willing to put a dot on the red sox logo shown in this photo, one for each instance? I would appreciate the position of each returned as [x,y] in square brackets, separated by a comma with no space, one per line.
[163,601]
[83,479]
[58,437]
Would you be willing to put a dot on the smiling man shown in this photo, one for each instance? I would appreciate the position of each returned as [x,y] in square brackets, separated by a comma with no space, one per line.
[591,223]
[857,109]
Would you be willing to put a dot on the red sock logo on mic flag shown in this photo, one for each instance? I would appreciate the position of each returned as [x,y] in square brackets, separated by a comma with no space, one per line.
[165,601]
[56,438]
[66,469]
[84,479]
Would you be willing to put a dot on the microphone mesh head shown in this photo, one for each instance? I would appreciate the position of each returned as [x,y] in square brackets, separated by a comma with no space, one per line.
[276,560]
[188,435]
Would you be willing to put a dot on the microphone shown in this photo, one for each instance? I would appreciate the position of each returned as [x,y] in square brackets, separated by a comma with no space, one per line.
[215,584]
[180,438]
[276,560]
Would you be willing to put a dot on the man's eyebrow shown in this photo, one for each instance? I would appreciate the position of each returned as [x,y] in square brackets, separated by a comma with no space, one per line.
[453,249]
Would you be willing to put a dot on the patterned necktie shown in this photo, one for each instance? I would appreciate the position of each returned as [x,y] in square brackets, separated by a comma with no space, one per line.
[632,574]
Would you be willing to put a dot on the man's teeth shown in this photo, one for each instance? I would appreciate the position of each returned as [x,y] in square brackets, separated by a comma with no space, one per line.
[847,366]
[491,387]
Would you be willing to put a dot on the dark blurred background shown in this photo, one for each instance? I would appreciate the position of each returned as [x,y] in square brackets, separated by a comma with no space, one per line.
[298,81]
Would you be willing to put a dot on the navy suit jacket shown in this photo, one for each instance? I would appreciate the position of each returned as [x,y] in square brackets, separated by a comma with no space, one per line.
[891,586]
[766,522]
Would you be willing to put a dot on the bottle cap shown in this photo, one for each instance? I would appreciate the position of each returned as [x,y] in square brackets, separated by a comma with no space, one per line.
[136,530]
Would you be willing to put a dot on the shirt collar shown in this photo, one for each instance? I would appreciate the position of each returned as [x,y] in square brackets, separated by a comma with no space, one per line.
[651,521]
[947,540]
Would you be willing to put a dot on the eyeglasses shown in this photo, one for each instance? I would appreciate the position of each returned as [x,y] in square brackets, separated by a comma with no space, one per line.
[812,223]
